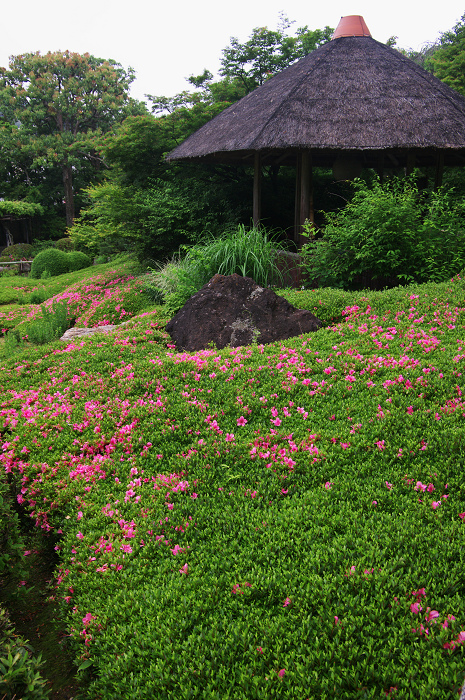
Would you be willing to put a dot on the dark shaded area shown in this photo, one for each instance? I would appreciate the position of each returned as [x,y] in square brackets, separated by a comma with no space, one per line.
[32,609]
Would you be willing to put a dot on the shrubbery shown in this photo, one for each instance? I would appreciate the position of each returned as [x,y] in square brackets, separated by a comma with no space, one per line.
[65,244]
[18,251]
[78,260]
[389,234]
[50,261]
[19,668]
[53,261]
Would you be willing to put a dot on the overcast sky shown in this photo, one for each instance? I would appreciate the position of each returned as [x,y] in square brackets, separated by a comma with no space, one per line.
[165,41]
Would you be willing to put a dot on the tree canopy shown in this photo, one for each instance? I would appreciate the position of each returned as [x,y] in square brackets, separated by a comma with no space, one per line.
[447,62]
[54,106]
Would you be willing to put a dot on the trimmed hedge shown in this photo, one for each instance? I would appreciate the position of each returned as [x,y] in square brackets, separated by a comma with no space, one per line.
[78,260]
[50,261]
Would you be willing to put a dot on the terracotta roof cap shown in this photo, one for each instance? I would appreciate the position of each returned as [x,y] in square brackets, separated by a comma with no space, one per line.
[351,25]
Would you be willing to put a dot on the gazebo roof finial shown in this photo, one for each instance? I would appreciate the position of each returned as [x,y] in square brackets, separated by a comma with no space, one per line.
[351,25]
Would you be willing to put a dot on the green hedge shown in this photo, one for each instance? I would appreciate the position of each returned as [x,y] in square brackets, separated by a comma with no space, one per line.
[51,262]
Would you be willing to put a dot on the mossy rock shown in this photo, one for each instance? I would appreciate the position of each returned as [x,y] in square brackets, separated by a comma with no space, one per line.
[50,261]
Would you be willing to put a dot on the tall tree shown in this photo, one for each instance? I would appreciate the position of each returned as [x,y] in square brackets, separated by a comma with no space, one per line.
[57,105]
[268,51]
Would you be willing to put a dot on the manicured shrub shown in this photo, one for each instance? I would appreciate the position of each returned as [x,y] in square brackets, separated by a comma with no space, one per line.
[50,261]
[18,251]
[65,244]
[77,260]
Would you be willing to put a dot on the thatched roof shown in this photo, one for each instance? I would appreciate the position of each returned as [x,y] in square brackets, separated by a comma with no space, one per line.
[353,94]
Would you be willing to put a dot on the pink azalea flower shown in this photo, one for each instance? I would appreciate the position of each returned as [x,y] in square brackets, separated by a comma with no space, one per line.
[416,608]
[431,615]
[329,484]
[229,437]
[410,410]
[241,421]
[287,602]
[194,495]
[462,516]
[80,536]
[183,569]
[435,504]
[282,673]
[380,445]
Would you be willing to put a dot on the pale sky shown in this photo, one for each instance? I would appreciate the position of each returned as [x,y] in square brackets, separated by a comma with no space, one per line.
[167,40]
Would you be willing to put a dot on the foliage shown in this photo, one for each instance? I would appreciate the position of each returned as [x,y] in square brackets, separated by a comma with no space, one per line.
[51,261]
[53,322]
[19,209]
[282,521]
[248,252]
[19,668]
[65,244]
[154,221]
[447,62]
[388,234]
[78,260]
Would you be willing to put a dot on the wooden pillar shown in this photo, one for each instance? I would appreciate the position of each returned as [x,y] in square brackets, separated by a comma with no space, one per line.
[439,169]
[410,163]
[298,186]
[257,186]
[307,212]
[380,166]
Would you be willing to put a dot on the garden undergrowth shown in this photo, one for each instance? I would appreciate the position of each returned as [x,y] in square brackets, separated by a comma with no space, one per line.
[280,521]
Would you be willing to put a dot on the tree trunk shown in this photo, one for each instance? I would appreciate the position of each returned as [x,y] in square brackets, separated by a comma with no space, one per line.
[69,194]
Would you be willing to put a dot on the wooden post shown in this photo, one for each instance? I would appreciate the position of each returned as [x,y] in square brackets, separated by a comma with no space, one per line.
[411,157]
[380,166]
[439,169]
[307,212]
[298,174]
[257,185]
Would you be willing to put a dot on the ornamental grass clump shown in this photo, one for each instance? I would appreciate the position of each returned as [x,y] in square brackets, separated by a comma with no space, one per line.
[250,252]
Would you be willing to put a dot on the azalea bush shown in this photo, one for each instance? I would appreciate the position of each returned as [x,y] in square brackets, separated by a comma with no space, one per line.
[268,521]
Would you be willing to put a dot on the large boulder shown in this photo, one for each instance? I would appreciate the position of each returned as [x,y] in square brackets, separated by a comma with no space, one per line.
[233,310]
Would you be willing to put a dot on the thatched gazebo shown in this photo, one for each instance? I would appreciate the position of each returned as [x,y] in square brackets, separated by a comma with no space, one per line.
[352,103]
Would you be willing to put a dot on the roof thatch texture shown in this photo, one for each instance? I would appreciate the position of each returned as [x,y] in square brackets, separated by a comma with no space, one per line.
[352,94]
